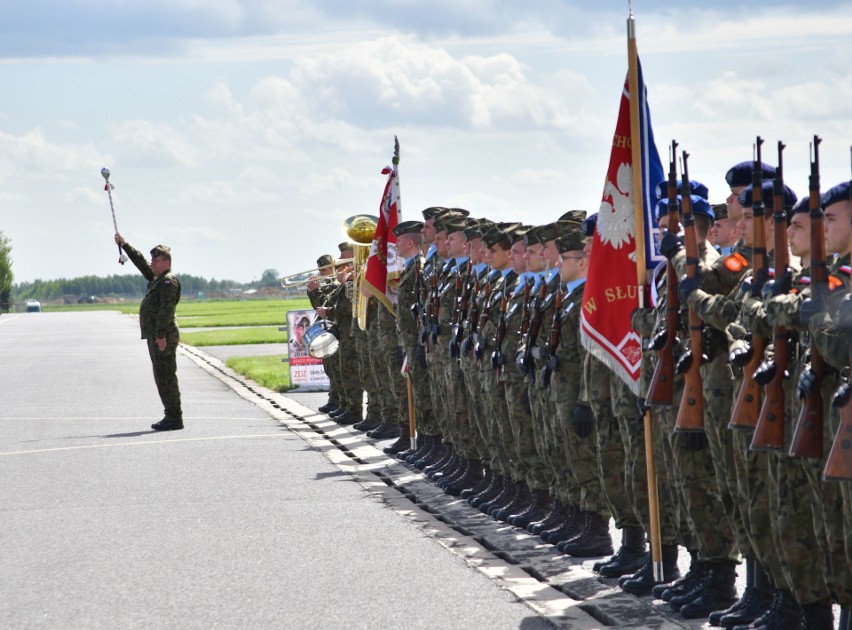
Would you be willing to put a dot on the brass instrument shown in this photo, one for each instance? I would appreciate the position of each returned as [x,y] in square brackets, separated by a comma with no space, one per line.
[284,279]
[359,230]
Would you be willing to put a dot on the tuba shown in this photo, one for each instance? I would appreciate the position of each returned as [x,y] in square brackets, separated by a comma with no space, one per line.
[359,230]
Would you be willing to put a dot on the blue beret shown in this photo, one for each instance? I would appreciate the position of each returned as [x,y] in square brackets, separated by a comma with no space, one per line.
[661,190]
[699,206]
[790,197]
[741,174]
[841,192]
[589,224]
[803,205]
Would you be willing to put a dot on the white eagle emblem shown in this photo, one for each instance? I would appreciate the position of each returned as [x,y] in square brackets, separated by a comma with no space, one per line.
[615,219]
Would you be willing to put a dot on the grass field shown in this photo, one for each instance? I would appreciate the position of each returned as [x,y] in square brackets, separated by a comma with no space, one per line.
[268,371]
[234,336]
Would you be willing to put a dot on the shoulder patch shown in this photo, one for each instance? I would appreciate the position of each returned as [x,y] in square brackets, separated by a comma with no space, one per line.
[167,282]
[834,283]
[736,262]
[845,269]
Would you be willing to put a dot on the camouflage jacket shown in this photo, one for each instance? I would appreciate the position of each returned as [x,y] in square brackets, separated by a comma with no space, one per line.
[157,310]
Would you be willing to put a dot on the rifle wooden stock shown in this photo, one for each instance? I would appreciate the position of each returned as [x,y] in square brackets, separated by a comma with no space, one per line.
[661,389]
[690,415]
[769,431]
[838,466]
[553,340]
[746,411]
[808,434]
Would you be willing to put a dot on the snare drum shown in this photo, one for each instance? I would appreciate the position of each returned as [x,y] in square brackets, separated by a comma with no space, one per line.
[321,339]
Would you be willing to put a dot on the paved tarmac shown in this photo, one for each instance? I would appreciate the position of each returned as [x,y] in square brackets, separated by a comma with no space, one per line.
[236,521]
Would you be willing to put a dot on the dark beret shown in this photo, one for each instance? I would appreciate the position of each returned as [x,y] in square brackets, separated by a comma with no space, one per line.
[326,260]
[741,174]
[841,192]
[454,224]
[460,211]
[520,233]
[407,227]
[802,206]
[161,250]
[589,225]
[720,210]
[699,206]
[746,200]
[344,246]
[477,227]
[661,190]
[552,231]
[532,235]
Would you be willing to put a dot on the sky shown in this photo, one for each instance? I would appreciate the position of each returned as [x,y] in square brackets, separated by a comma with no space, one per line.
[242,133]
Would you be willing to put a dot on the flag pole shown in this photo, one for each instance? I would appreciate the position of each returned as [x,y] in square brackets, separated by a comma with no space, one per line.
[639,222]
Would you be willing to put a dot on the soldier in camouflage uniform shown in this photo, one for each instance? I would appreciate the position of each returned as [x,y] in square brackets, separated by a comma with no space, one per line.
[318,294]
[158,327]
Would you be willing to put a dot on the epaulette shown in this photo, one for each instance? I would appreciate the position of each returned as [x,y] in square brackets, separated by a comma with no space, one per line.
[736,262]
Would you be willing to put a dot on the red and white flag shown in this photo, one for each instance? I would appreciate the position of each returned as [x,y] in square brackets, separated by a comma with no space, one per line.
[384,266]
[611,292]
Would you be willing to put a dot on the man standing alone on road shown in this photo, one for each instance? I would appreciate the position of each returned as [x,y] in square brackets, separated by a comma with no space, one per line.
[157,320]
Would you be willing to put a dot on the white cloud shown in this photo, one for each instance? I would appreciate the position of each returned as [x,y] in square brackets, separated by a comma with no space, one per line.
[143,141]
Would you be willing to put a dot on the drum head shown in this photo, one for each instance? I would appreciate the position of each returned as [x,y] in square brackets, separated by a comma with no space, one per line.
[324,345]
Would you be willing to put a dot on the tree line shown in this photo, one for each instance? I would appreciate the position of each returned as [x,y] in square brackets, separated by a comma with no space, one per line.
[110,286]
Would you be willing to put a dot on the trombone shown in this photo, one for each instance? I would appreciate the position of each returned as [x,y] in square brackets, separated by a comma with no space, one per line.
[286,283]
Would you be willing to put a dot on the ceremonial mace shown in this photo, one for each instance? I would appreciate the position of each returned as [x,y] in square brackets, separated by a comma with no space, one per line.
[108,187]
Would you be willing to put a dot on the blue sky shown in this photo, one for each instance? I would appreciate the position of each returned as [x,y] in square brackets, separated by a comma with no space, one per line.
[242,133]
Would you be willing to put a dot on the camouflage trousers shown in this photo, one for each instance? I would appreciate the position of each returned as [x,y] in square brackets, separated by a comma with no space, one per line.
[668,488]
[554,443]
[719,389]
[542,440]
[365,372]
[392,356]
[527,465]
[497,422]
[465,435]
[436,360]
[584,489]
[330,367]
[165,375]
[348,366]
[636,472]
[419,375]
[381,403]
[476,410]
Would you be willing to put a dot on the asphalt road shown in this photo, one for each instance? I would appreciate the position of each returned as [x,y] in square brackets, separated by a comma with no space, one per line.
[235,521]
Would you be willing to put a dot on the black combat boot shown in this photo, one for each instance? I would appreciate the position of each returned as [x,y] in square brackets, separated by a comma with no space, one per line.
[522,500]
[630,557]
[402,442]
[556,515]
[457,472]
[498,483]
[538,509]
[431,455]
[385,431]
[484,483]
[336,412]
[594,540]
[679,601]
[845,619]
[683,585]
[472,476]
[642,582]
[329,406]
[719,593]
[350,417]
[817,616]
[569,528]
[504,498]
[783,614]
[755,605]
[715,617]
[446,458]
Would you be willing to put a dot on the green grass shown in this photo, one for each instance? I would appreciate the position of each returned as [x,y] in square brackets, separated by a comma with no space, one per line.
[124,307]
[268,371]
[233,336]
[246,313]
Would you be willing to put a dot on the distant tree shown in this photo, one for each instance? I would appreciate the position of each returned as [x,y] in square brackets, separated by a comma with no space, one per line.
[270,278]
[6,275]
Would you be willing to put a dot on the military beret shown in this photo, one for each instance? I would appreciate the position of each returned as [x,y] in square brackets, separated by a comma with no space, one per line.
[477,227]
[720,210]
[572,239]
[741,174]
[325,260]
[344,246]
[552,231]
[661,190]
[841,192]
[746,200]
[575,216]
[699,206]
[589,224]
[460,211]
[532,235]
[803,205]
[161,250]
[520,233]
[432,212]
[407,227]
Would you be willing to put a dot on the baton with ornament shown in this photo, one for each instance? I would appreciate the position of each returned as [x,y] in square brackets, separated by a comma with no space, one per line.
[108,187]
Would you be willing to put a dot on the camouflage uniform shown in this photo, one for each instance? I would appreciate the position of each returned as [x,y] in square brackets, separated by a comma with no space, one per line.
[157,321]
[331,365]
[391,361]
[339,310]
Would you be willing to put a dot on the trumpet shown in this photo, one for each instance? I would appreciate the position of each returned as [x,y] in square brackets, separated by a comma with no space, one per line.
[286,281]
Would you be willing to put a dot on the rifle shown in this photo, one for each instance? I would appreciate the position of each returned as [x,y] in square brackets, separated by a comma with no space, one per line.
[472,320]
[536,315]
[553,341]
[497,358]
[481,342]
[463,288]
[435,303]
[769,431]
[661,390]
[807,436]
[747,407]
[690,415]
[417,306]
